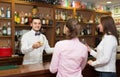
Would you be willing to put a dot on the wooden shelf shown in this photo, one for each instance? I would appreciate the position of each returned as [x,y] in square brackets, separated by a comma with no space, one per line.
[103,12]
[29,27]
[86,36]
[98,35]
[60,35]
[1,36]
[6,1]
[47,26]
[85,10]
[33,3]
[88,23]
[61,21]
[9,19]
[63,7]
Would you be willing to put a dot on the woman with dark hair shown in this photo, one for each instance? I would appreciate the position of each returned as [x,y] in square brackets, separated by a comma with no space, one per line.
[106,50]
[70,55]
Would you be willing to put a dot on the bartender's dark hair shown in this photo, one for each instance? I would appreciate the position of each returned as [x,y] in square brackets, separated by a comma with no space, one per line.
[109,26]
[35,18]
[74,28]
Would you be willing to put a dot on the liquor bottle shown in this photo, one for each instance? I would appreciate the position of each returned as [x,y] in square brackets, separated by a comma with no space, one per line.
[29,18]
[8,13]
[50,20]
[55,2]
[43,21]
[58,31]
[81,18]
[0,12]
[56,14]
[9,29]
[26,19]
[88,30]
[47,19]
[18,19]
[35,10]
[3,13]
[4,30]
[15,17]
[21,17]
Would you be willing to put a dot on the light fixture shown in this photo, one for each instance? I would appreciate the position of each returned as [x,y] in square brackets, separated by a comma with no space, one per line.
[108,2]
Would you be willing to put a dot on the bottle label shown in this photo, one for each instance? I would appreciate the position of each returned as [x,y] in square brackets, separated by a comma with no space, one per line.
[8,14]
[8,31]
[4,32]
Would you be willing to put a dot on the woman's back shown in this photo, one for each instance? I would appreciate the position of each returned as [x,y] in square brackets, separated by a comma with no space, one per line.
[72,58]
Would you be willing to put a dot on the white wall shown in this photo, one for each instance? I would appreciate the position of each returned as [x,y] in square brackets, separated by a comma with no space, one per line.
[112,9]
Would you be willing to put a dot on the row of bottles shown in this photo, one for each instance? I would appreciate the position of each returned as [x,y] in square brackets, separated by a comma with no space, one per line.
[5,13]
[22,18]
[5,29]
[62,15]
[45,1]
[26,18]
[84,31]
[87,30]
[46,20]
[81,18]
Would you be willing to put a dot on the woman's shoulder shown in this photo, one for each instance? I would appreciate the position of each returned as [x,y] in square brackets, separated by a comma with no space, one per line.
[110,37]
[61,42]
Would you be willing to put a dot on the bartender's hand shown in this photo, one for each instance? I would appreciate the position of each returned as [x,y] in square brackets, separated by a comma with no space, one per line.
[37,45]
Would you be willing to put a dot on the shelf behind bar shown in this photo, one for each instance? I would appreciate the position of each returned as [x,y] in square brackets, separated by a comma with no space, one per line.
[28,26]
[6,1]
[6,19]
[1,36]
[41,4]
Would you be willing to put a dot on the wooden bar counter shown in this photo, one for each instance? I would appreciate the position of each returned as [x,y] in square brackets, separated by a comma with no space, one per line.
[33,70]
[42,70]
[39,70]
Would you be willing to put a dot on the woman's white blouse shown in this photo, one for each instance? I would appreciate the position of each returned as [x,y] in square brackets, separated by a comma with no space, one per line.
[106,54]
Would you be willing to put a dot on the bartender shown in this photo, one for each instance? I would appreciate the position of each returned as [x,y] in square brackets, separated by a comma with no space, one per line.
[33,43]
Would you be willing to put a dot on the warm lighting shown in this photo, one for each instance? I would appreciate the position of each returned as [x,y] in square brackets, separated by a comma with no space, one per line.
[108,2]
[73,4]
[76,4]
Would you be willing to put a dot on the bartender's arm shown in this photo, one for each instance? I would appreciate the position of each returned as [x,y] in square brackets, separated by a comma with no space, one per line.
[48,49]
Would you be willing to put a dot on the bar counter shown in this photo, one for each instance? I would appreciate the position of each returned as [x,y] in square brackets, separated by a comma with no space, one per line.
[33,70]
[42,70]
[39,70]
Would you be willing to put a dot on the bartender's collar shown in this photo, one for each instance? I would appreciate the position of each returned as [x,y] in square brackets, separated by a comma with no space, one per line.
[36,32]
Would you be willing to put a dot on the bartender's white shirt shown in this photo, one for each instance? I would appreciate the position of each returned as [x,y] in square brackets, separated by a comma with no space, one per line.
[32,56]
[106,54]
